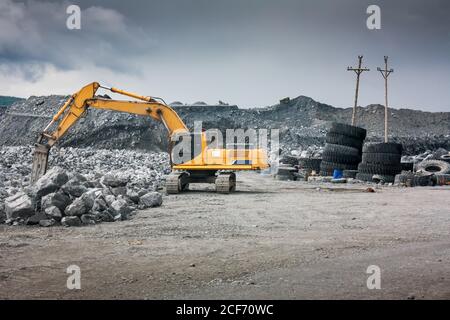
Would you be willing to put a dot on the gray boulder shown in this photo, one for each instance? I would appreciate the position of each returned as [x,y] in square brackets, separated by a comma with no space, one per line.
[2,212]
[121,207]
[47,222]
[74,188]
[56,199]
[114,181]
[110,199]
[104,216]
[50,182]
[77,208]
[34,219]
[99,205]
[132,195]
[81,205]
[149,200]
[54,213]
[19,205]
[88,219]
[71,221]
[119,191]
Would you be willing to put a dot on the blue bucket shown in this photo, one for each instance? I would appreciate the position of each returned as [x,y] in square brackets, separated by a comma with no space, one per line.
[337,174]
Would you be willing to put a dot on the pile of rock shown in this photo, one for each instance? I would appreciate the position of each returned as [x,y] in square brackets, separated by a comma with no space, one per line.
[74,200]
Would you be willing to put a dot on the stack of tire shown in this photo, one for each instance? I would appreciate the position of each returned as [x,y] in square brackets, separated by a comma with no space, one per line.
[381,160]
[309,164]
[342,149]
[286,173]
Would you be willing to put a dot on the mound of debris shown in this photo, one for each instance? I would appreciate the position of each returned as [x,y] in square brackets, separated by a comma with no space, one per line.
[86,186]
[302,122]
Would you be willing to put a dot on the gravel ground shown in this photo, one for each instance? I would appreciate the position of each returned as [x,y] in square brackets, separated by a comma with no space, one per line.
[271,239]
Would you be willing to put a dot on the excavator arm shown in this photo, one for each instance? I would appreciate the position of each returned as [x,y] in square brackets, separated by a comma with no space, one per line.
[77,105]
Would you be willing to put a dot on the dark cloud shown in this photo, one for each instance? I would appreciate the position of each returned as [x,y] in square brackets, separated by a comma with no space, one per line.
[248,52]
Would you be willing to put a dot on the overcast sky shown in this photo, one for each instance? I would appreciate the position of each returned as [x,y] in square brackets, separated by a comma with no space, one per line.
[246,52]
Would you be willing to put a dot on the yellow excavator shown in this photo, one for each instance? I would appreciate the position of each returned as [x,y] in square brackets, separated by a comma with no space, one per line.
[203,163]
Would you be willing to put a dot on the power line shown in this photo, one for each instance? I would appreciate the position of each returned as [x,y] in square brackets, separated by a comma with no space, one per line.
[358,72]
[385,73]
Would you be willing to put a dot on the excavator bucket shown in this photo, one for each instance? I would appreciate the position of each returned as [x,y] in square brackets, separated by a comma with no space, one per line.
[40,162]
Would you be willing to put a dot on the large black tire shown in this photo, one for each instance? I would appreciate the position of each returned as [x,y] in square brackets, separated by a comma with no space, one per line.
[337,138]
[289,160]
[350,174]
[286,171]
[445,157]
[403,177]
[340,149]
[327,168]
[382,148]
[381,158]
[407,166]
[420,181]
[379,169]
[364,176]
[383,178]
[309,164]
[340,158]
[348,130]
[434,166]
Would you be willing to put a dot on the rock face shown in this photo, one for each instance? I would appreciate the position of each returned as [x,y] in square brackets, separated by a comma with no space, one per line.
[19,205]
[151,199]
[51,181]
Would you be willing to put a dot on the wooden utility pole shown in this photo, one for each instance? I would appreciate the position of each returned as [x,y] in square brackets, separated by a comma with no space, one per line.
[385,73]
[358,72]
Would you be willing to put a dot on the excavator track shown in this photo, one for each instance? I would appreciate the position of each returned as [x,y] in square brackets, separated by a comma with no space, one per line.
[176,182]
[226,182]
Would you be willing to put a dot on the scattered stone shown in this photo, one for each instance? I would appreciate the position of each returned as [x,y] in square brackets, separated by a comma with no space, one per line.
[88,219]
[119,191]
[133,195]
[34,219]
[149,200]
[50,182]
[2,212]
[80,206]
[114,181]
[47,222]
[74,188]
[99,205]
[71,221]
[54,213]
[110,199]
[104,216]
[19,205]
[57,199]
[121,207]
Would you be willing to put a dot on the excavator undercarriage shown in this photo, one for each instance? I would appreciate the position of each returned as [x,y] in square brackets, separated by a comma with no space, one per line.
[178,182]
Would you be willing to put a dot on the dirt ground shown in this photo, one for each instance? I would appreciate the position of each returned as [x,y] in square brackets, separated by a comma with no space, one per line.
[270,240]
